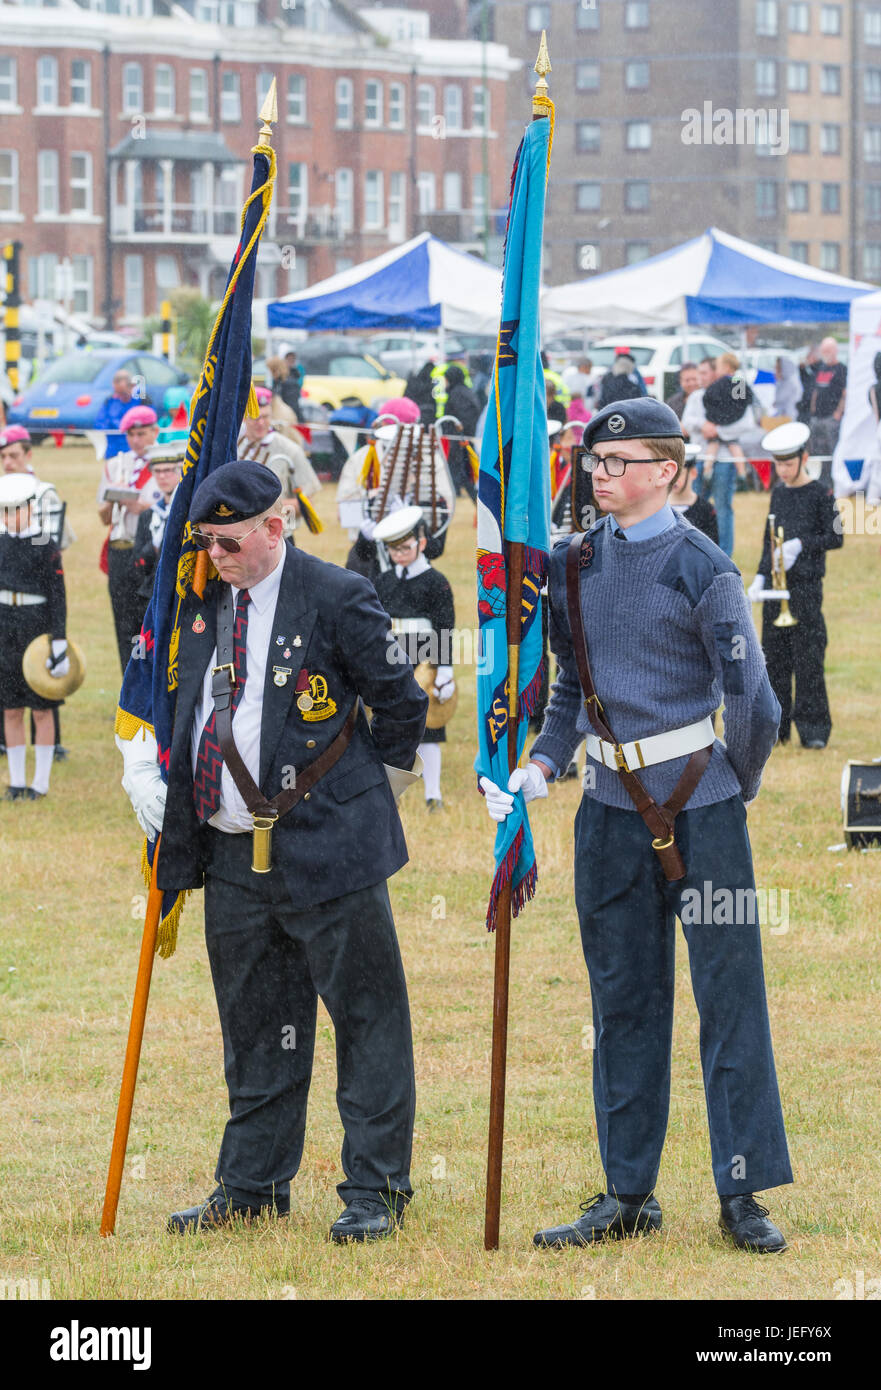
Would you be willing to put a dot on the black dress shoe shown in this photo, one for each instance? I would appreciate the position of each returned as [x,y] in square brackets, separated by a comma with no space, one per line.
[605,1217]
[365,1218]
[434,803]
[61,753]
[748,1226]
[815,743]
[15,793]
[218,1211]
[31,794]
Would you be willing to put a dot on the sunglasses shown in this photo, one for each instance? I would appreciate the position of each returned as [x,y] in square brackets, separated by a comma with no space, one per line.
[203,540]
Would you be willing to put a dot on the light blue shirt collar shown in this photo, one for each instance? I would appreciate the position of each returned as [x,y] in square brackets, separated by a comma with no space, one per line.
[650,527]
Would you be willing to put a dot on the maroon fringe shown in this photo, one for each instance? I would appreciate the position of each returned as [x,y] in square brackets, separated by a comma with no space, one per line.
[529,694]
[535,562]
[525,890]
[502,876]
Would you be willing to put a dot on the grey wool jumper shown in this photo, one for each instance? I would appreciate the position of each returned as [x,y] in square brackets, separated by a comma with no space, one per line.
[669,635]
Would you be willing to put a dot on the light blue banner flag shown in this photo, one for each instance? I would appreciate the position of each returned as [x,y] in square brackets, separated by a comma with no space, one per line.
[514,507]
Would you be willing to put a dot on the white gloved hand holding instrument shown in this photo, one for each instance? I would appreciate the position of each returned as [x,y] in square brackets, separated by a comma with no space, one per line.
[58,664]
[142,781]
[530,780]
[444,685]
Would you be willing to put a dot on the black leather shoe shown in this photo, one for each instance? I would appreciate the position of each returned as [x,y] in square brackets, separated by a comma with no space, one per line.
[31,794]
[605,1217]
[365,1218]
[61,753]
[815,743]
[748,1226]
[434,803]
[217,1211]
[15,793]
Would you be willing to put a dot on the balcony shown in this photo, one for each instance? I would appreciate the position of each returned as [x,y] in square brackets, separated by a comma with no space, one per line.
[309,226]
[181,222]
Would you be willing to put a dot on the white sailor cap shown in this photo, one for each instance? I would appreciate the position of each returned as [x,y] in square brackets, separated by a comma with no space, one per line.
[174,451]
[786,440]
[399,524]
[16,489]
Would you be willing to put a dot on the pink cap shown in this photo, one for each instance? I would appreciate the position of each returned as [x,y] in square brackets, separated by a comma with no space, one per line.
[138,415]
[263,394]
[14,434]
[403,409]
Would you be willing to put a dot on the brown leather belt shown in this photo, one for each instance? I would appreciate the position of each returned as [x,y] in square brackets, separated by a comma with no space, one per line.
[660,820]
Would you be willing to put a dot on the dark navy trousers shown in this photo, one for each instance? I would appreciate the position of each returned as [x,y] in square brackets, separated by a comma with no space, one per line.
[627,912]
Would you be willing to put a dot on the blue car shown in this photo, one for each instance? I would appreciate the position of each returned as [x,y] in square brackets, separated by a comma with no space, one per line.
[70,391]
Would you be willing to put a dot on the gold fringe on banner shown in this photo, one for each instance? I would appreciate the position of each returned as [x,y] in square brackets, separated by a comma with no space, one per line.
[308,513]
[166,934]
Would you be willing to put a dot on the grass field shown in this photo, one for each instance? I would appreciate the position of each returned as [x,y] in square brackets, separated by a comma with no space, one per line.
[72,913]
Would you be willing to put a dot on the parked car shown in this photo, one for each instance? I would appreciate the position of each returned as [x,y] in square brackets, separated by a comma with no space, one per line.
[336,371]
[406,352]
[70,391]
[658,357]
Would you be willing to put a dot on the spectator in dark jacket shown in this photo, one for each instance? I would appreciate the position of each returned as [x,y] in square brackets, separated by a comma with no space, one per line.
[620,383]
[463,404]
[420,388]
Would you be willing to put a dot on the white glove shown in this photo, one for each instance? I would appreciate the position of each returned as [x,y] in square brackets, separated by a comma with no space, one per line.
[756,588]
[58,664]
[444,685]
[142,782]
[791,551]
[528,779]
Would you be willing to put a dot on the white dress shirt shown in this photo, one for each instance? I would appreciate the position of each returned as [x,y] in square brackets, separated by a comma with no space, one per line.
[232,815]
[123,470]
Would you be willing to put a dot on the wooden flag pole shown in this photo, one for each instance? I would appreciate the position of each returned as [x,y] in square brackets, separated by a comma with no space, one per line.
[132,1052]
[514,553]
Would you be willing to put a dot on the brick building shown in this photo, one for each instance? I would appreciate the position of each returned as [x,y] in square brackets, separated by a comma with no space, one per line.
[126,129]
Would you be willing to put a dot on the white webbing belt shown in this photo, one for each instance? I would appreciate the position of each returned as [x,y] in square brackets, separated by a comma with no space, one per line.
[20,600]
[658,748]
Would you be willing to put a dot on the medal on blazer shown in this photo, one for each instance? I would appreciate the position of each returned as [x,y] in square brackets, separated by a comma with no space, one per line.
[280,675]
[313,701]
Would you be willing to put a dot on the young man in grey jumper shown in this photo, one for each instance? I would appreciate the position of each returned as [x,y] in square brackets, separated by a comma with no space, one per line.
[669,636]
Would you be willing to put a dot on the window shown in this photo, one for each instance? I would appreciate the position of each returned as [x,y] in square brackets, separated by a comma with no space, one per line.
[766,77]
[81,183]
[588,197]
[8,82]
[344,197]
[797,77]
[830,19]
[41,277]
[230,97]
[830,80]
[425,193]
[797,197]
[766,18]
[8,181]
[636,251]
[830,256]
[587,137]
[198,94]
[872,260]
[453,108]
[830,139]
[373,198]
[587,15]
[873,202]
[133,275]
[167,275]
[587,76]
[872,26]
[163,90]
[798,250]
[799,137]
[636,195]
[132,88]
[636,76]
[397,207]
[638,135]
[344,102]
[47,81]
[80,82]
[831,198]
[83,275]
[47,181]
[424,105]
[800,18]
[872,85]
[538,17]
[298,275]
[766,198]
[296,97]
[478,203]
[373,103]
[452,191]
[636,14]
[396,105]
[298,200]
[872,143]
[769,244]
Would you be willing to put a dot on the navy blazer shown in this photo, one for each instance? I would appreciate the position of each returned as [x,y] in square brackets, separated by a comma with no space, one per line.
[348,834]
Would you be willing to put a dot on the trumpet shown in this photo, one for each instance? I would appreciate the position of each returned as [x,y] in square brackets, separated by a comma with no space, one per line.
[778,574]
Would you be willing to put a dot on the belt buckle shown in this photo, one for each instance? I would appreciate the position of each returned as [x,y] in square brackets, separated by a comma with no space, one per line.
[226,666]
[620,759]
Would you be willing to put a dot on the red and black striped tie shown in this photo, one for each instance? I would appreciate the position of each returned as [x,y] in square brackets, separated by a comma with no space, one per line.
[209,759]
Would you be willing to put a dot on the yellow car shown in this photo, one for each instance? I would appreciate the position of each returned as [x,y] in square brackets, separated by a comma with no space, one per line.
[336,375]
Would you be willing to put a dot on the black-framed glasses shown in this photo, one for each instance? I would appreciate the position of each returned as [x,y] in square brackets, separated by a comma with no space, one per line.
[612,463]
[203,540]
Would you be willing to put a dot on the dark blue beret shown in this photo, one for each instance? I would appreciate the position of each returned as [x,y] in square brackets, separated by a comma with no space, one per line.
[642,418]
[235,492]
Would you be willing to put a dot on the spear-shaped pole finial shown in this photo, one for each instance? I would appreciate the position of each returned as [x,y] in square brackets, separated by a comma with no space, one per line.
[542,66]
[269,114]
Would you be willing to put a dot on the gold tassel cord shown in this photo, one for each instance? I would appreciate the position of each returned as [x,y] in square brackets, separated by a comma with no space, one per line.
[307,511]
[128,726]
[369,475]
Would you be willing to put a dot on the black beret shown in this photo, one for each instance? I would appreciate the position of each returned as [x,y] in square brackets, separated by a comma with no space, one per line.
[642,418]
[235,492]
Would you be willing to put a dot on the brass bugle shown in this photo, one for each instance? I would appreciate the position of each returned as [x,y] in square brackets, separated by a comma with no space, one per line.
[778,574]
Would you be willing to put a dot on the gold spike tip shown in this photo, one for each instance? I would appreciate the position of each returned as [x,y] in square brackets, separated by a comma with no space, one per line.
[543,61]
[269,112]
[542,66]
